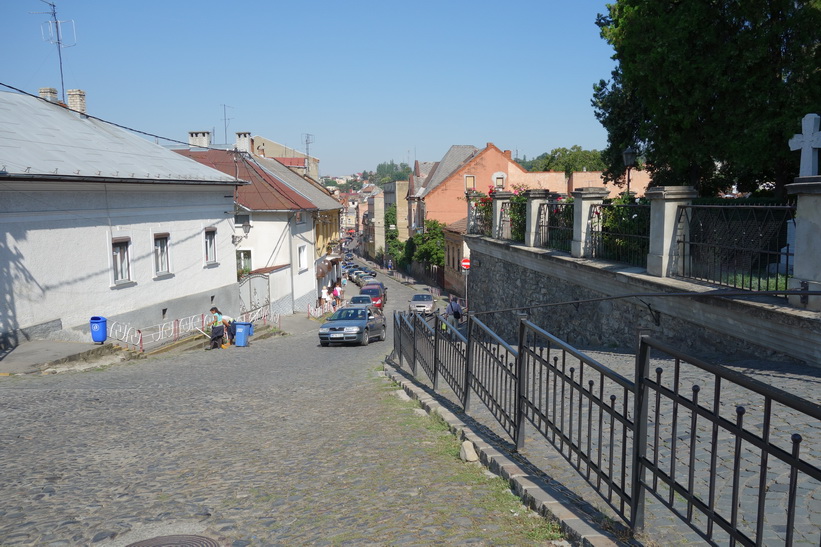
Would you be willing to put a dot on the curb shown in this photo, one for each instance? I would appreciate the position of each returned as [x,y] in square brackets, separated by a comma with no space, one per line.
[534,492]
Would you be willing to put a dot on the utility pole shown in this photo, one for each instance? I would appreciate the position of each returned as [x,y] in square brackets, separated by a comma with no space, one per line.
[225,119]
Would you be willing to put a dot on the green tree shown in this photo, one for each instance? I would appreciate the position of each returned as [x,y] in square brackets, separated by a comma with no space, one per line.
[391,172]
[568,160]
[710,92]
[395,248]
[430,246]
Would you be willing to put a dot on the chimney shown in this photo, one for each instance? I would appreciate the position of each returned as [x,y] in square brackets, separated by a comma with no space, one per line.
[77,100]
[200,139]
[508,154]
[49,94]
[243,143]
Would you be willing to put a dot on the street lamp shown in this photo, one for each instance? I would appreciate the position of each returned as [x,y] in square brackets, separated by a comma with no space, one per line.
[629,157]
[246,227]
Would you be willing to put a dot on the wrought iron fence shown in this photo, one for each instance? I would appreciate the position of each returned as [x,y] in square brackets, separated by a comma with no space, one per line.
[677,430]
[620,232]
[555,225]
[744,247]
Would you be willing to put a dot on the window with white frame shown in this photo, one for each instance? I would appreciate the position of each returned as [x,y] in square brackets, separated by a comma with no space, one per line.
[210,245]
[162,264]
[302,255]
[120,260]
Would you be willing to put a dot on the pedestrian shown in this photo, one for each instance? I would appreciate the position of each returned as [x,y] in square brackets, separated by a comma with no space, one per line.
[453,313]
[337,292]
[217,329]
[324,297]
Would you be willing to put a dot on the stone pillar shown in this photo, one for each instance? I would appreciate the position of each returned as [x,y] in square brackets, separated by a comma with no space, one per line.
[499,197]
[535,199]
[583,199]
[664,202]
[807,260]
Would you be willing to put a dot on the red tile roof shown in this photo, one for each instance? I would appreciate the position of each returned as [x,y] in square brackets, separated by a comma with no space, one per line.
[265,193]
[292,162]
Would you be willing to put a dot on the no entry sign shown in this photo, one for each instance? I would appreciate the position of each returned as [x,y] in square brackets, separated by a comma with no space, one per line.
[465,263]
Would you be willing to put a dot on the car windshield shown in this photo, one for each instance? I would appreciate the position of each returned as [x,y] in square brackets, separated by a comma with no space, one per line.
[422,298]
[348,314]
[361,299]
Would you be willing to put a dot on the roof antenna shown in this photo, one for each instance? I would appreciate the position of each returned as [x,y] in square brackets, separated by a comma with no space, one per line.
[52,33]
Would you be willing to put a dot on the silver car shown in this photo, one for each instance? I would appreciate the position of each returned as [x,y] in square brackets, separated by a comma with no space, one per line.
[423,303]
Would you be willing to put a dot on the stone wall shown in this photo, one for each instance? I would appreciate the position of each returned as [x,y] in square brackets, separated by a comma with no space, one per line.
[505,276]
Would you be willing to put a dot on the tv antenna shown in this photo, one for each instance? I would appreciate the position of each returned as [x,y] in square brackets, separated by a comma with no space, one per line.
[225,120]
[308,140]
[52,32]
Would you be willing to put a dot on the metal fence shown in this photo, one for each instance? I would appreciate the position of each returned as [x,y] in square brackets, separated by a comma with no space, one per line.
[555,225]
[676,431]
[620,232]
[743,247]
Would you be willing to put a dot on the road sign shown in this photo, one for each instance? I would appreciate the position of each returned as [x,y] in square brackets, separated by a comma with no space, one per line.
[465,263]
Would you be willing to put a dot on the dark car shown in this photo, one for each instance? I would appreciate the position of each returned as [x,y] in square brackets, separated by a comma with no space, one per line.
[357,324]
[376,293]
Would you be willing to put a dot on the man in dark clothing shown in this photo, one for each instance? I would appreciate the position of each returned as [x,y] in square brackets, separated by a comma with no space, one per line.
[453,313]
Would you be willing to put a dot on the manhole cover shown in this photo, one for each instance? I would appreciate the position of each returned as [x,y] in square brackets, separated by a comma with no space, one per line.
[176,541]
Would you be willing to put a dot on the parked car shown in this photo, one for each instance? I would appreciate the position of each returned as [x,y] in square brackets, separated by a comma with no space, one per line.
[353,325]
[423,303]
[373,281]
[360,300]
[376,293]
[364,279]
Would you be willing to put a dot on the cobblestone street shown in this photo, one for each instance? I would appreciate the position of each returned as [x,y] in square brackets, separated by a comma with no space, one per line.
[279,443]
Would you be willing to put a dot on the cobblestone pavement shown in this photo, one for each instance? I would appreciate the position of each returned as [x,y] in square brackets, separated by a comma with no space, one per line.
[279,443]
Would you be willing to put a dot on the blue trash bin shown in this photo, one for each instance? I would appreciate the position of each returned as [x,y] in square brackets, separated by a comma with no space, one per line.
[99,329]
[243,332]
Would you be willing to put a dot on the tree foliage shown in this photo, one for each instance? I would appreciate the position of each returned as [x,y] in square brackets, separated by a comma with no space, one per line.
[395,248]
[710,92]
[390,172]
[429,246]
[566,160]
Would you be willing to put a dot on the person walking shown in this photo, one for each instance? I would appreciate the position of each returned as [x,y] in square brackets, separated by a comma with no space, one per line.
[453,313]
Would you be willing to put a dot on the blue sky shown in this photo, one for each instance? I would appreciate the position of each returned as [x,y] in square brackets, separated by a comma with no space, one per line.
[372,81]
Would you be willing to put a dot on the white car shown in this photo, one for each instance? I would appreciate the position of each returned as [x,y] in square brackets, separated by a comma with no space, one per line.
[423,303]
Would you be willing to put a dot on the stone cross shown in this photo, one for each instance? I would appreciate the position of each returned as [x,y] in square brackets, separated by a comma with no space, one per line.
[808,141]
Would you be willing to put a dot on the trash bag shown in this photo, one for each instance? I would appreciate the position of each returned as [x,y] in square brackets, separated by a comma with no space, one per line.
[217,334]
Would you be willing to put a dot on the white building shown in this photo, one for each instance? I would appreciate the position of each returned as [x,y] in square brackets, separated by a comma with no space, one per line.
[96,221]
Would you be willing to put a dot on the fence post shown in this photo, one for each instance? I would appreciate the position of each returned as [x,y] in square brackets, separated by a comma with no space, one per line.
[435,359]
[639,448]
[468,367]
[500,197]
[535,199]
[664,228]
[583,200]
[413,359]
[521,382]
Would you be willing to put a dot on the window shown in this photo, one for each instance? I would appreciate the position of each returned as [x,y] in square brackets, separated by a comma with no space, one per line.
[122,268]
[299,217]
[470,182]
[210,245]
[500,182]
[303,257]
[161,262]
[243,263]
[239,220]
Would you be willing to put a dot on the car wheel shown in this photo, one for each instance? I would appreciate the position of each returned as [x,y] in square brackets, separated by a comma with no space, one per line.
[366,337]
[324,344]
[384,335]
